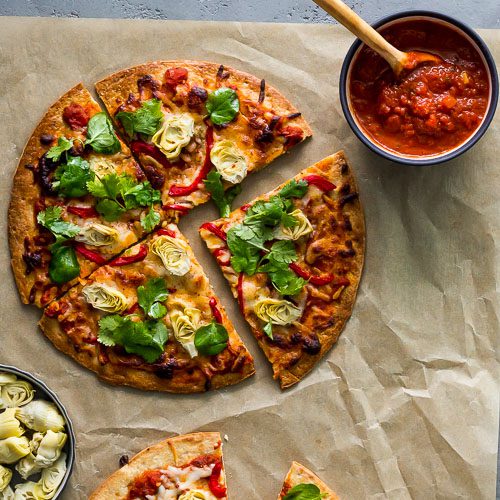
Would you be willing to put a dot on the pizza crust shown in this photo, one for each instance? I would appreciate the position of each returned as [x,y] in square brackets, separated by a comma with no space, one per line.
[174,451]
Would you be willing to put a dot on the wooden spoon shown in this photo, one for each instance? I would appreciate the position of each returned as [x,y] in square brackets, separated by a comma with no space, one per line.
[397,59]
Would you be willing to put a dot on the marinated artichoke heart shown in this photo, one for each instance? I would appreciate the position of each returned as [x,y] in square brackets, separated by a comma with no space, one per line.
[174,134]
[302,227]
[6,378]
[50,448]
[173,253]
[15,393]
[7,494]
[101,167]
[277,311]
[229,161]
[97,235]
[26,491]
[5,477]
[13,449]
[105,298]
[41,416]
[196,495]
[9,425]
[27,466]
[51,479]
[185,325]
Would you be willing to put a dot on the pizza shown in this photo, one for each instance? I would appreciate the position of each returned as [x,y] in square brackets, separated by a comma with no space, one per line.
[301,483]
[149,319]
[78,199]
[293,259]
[188,467]
[190,121]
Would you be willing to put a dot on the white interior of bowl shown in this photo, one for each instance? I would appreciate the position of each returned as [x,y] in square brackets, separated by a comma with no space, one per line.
[391,151]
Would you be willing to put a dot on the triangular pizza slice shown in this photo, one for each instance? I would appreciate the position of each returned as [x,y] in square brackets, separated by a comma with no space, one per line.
[301,483]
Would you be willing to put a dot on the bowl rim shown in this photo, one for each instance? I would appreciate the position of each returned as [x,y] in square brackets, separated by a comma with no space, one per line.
[70,460]
[427,160]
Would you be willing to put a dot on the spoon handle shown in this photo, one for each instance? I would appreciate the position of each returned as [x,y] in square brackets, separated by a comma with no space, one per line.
[346,16]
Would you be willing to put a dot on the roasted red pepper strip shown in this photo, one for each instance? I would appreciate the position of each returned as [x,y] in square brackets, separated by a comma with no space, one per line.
[207,166]
[141,147]
[165,232]
[324,279]
[132,308]
[320,182]
[217,254]
[210,226]
[90,254]
[215,310]
[178,207]
[241,297]
[129,259]
[217,489]
[83,212]
[245,207]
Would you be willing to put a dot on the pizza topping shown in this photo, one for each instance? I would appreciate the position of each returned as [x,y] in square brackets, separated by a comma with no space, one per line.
[301,228]
[195,495]
[141,147]
[304,491]
[292,135]
[146,484]
[76,116]
[178,207]
[196,97]
[83,212]
[101,167]
[211,339]
[215,310]
[63,145]
[63,265]
[72,176]
[323,279]
[174,254]
[229,161]
[166,231]
[175,133]
[47,139]
[97,235]
[320,182]
[185,324]
[129,259]
[276,311]
[222,105]
[175,76]
[221,198]
[150,297]
[90,254]
[214,482]
[101,136]
[210,226]
[146,120]
[105,298]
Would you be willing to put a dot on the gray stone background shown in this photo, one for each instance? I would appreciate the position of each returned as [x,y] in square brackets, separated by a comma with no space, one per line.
[477,13]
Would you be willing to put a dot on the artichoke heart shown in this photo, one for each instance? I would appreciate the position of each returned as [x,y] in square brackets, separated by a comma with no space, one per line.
[229,161]
[101,167]
[26,491]
[6,378]
[105,298]
[16,393]
[27,466]
[50,448]
[51,479]
[301,228]
[9,425]
[97,235]
[41,416]
[195,495]
[174,134]
[277,311]
[13,449]
[173,253]
[5,477]
[185,325]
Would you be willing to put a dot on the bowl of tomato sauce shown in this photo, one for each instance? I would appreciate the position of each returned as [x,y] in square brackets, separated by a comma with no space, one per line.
[432,113]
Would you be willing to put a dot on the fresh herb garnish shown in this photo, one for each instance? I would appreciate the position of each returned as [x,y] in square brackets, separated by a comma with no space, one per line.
[222,105]
[145,120]
[294,189]
[268,330]
[72,177]
[50,218]
[101,136]
[150,297]
[211,339]
[63,144]
[304,491]
[145,338]
[222,199]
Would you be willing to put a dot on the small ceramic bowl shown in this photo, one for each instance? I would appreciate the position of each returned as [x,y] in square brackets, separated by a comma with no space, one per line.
[43,392]
[466,32]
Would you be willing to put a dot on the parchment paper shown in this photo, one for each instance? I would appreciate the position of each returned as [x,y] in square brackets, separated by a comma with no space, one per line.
[406,405]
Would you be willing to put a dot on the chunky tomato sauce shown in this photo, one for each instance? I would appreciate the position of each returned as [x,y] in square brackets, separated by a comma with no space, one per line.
[429,110]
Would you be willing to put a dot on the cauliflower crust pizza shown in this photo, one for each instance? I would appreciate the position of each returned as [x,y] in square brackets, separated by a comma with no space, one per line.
[294,258]
[190,121]
[149,319]
[188,467]
[300,482]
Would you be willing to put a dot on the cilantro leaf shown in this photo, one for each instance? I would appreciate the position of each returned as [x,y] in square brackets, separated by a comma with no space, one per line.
[63,144]
[222,199]
[286,281]
[50,218]
[101,136]
[145,120]
[150,295]
[110,210]
[72,177]
[294,189]
[304,491]
[139,195]
[222,105]
[150,220]
[268,330]
[282,252]
[245,257]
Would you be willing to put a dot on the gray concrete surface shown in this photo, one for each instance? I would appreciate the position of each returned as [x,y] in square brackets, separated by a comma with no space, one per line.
[477,13]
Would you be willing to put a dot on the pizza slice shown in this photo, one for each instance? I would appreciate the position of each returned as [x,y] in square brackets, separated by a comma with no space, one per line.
[293,258]
[188,467]
[78,199]
[149,319]
[198,127]
[302,484]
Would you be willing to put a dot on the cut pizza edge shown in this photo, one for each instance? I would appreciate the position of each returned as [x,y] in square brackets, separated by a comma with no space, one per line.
[300,479]
[250,136]
[32,193]
[196,457]
[332,169]
[72,323]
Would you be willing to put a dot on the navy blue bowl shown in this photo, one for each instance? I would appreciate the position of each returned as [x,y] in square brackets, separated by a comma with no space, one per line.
[43,392]
[489,63]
